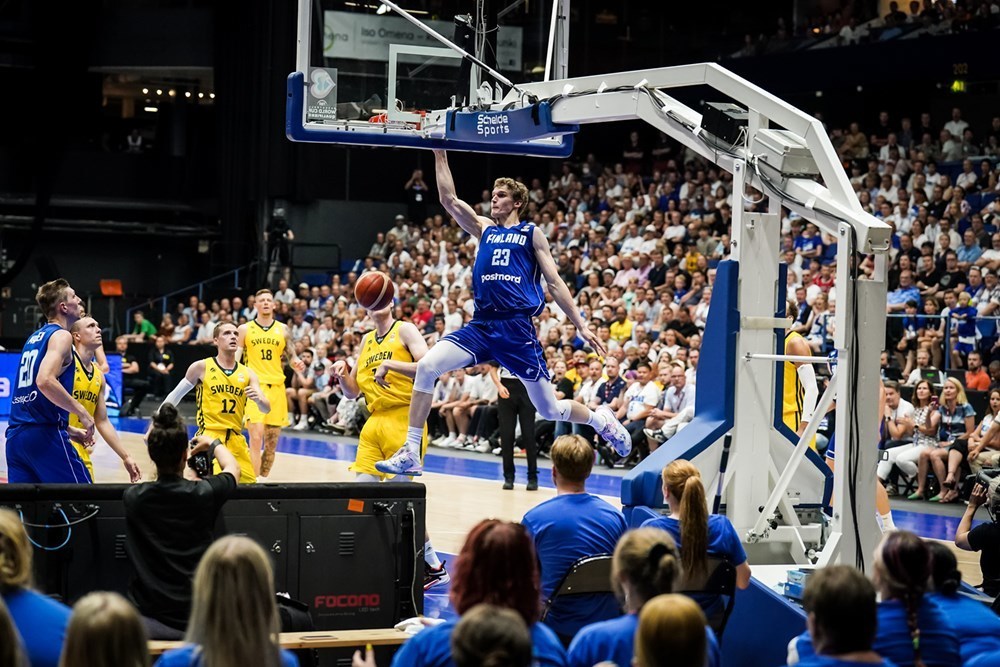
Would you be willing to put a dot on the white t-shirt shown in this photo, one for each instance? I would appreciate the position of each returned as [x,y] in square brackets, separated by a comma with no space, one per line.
[903,411]
[284,296]
[637,396]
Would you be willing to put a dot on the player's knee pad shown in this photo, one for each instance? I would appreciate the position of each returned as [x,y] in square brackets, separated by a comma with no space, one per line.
[428,371]
[556,411]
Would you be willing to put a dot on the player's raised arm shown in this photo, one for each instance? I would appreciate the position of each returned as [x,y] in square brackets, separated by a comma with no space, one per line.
[464,214]
[60,346]
[560,292]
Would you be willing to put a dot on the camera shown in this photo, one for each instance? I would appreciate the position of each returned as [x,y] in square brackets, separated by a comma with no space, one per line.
[201,463]
[984,477]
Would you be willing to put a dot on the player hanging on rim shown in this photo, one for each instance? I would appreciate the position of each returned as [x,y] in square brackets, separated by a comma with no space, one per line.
[38,444]
[507,276]
[88,388]
[396,347]
[263,343]
[224,385]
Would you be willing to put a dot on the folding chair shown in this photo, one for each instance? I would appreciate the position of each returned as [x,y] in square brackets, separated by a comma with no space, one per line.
[587,576]
[715,591]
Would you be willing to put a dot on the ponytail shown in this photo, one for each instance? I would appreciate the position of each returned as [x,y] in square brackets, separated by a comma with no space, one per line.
[684,479]
[903,566]
[911,600]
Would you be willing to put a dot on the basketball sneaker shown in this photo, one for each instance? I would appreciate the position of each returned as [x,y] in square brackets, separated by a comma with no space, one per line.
[403,462]
[435,576]
[616,435]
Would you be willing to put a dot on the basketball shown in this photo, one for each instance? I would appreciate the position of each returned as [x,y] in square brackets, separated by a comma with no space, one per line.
[374,290]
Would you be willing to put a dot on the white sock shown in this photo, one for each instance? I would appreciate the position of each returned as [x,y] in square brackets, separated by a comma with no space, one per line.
[452,435]
[414,438]
[887,523]
[430,556]
[597,420]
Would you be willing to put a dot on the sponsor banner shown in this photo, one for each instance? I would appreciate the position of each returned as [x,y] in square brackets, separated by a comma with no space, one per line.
[504,127]
[8,376]
[367,37]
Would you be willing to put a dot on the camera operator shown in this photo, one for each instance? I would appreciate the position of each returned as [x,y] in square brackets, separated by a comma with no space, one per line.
[170,523]
[985,537]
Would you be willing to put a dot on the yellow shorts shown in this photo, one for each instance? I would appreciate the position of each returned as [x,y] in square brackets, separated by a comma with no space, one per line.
[237,445]
[791,420]
[278,416]
[85,457]
[382,435]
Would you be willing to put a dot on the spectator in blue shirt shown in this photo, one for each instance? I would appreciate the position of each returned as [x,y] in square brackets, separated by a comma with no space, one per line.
[907,291]
[646,565]
[10,641]
[497,565]
[969,251]
[571,526]
[965,315]
[977,627]
[40,620]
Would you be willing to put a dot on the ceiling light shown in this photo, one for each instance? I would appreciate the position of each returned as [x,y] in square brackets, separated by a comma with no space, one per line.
[383,9]
[212,95]
[187,93]
[171,92]
[145,91]
[159,91]
[201,95]
[150,109]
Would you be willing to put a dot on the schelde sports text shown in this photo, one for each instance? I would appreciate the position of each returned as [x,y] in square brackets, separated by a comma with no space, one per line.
[488,125]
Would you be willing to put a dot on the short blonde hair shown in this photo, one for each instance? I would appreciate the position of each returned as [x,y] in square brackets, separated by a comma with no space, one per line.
[572,457]
[105,630]
[15,553]
[518,191]
[50,295]
[671,632]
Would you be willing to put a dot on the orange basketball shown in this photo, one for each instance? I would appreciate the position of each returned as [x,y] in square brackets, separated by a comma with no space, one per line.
[374,290]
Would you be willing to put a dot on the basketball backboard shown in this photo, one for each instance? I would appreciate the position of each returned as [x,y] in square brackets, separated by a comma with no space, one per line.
[367,75]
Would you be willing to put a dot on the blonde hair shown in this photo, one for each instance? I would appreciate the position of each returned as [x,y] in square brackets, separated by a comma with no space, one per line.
[960,397]
[10,641]
[572,457]
[683,479]
[648,559]
[671,632]
[234,584]
[518,192]
[50,295]
[105,630]
[15,553]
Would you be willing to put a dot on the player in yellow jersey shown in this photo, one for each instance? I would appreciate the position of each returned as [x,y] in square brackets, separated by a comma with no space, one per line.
[800,392]
[88,389]
[224,387]
[387,362]
[263,343]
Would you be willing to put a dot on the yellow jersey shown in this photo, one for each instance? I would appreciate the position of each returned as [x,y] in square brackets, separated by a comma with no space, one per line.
[374,351]
[263,349]
[793,392]
[221,397]
[87,387]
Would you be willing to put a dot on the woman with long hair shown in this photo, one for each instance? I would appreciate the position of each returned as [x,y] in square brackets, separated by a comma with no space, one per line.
[234,618]
[925,427]
[497,565]
[965,452]
[669,633]
[913,630]
[40,620]
[977,627]
[698,533]
[957,420]
[105,630]
[646,564]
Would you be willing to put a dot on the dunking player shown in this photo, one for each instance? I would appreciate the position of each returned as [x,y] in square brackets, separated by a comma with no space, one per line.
[265,342]
[224,385]
[507,276]
[38,446]
[88,388]
[395,347]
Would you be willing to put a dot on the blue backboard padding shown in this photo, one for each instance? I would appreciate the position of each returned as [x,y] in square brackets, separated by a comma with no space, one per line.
[296,131]
[760,627]
[715,397]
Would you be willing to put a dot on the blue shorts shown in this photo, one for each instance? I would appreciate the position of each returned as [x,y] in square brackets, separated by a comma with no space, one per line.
[43,454]
[511,343]
[964,348]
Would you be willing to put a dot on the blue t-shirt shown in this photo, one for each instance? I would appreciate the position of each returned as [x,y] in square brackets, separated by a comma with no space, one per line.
[565,529]
[189,656]
[977,627]
[27,404]
[938,641]
[614,641]
[432,648]
[506,278]
[967,326]
[827,661]
[41,622]
[953,421]
[722,537]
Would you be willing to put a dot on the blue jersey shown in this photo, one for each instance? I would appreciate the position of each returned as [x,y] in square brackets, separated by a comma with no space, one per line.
[506,279]
[28,405]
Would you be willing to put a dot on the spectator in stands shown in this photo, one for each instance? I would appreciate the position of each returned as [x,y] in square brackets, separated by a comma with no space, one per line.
[497,565]
[182,332]
[897,429]
[303,386]
[670,634]
[976,378]
[206,331]
[573,525]
[491,635]
[964,316]
[957,420]
[841,618]
[132,378]
[924,370]
[914,326]
[161,364]
[646,564]
[638,403]
[674,409]
[985,537]
[40,621]
[143,330]
[170,522]
[10,641]
[912,630]
[233,581]
[105,630]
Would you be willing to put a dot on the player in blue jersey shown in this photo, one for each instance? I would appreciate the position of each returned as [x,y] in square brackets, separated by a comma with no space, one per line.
[512,260]
[38,446]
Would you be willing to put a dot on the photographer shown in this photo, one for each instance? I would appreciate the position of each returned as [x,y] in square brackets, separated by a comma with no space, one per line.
[985,537]
[170,523]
